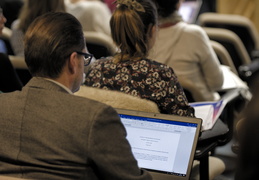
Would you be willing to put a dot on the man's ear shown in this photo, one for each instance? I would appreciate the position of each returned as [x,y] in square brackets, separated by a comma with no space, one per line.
[73,63]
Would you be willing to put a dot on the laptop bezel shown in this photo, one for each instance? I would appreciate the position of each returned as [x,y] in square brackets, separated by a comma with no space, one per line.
[160,174]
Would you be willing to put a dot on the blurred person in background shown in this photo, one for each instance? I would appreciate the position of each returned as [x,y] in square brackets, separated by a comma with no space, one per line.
[186,48]
[93,15]
[11,9]
[31,10]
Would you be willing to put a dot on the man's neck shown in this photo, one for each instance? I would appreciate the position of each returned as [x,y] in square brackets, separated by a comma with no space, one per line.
[60,84]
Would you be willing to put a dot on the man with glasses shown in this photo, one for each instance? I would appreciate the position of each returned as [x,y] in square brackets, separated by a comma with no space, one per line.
[49,133]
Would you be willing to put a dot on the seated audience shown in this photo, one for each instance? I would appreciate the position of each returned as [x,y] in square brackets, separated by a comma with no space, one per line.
[93,15]
[187,49]
[9,80]
[134,26]
[29,12]
[54,134]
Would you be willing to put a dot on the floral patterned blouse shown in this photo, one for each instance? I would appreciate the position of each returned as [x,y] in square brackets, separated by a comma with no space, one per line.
[145,78]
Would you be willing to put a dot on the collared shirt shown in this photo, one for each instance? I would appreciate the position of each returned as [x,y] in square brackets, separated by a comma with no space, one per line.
[59,84]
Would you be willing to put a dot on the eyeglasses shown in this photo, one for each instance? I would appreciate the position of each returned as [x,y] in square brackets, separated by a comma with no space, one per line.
[87,57]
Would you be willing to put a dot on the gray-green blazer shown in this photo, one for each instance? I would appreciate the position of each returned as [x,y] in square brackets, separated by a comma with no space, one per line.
[47,133]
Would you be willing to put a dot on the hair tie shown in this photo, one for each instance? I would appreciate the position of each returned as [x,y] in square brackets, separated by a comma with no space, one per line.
[131,4]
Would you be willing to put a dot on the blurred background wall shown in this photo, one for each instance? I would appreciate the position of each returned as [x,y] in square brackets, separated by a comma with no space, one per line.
[248,8]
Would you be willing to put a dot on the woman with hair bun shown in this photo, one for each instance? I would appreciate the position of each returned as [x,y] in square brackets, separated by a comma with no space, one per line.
[133,29]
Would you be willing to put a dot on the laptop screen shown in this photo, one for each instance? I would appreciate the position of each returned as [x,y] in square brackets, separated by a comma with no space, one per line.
[162,143]
[189,10]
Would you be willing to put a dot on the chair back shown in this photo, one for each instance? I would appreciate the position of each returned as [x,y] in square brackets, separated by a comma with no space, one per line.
[118,99]
[232,44]
[10,178]
[241,25]
[223,56]
[99,44]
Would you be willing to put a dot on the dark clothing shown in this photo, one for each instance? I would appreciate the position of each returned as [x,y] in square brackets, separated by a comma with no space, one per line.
[9,80]
[11,10]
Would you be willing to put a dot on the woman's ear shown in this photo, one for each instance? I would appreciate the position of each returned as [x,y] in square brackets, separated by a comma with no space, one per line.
[152,30]
[152,35]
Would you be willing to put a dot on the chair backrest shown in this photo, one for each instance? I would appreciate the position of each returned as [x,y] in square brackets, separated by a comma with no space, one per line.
[223,55]
[10,178]
[118,99]
[18,62]
[232,43]
[99,44]
[241,25]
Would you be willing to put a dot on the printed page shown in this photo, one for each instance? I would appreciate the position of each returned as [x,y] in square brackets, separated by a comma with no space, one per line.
[209,112]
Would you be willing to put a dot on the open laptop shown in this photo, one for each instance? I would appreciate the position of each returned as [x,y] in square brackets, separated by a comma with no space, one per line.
[162,144]
[190,10]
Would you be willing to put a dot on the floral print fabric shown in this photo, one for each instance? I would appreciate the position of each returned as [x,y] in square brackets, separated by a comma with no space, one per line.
[143,78]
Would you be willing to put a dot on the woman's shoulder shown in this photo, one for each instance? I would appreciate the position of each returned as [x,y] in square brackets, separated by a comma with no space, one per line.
[160,66]
[192,29]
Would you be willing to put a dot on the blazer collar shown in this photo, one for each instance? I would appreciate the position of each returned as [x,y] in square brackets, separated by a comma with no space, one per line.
[42,83]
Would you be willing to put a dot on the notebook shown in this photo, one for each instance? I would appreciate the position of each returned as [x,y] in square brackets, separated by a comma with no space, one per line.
[190,10]
[162,144]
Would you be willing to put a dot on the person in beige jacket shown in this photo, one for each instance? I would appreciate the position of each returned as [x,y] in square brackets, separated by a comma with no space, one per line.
[187,49]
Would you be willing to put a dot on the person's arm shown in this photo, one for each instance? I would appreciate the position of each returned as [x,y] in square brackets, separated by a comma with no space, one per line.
[170,95]
[110,151]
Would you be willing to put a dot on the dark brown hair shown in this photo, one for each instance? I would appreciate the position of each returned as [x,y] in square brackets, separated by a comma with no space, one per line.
[49,41]
[34,8]
[130,29]
[166,7]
